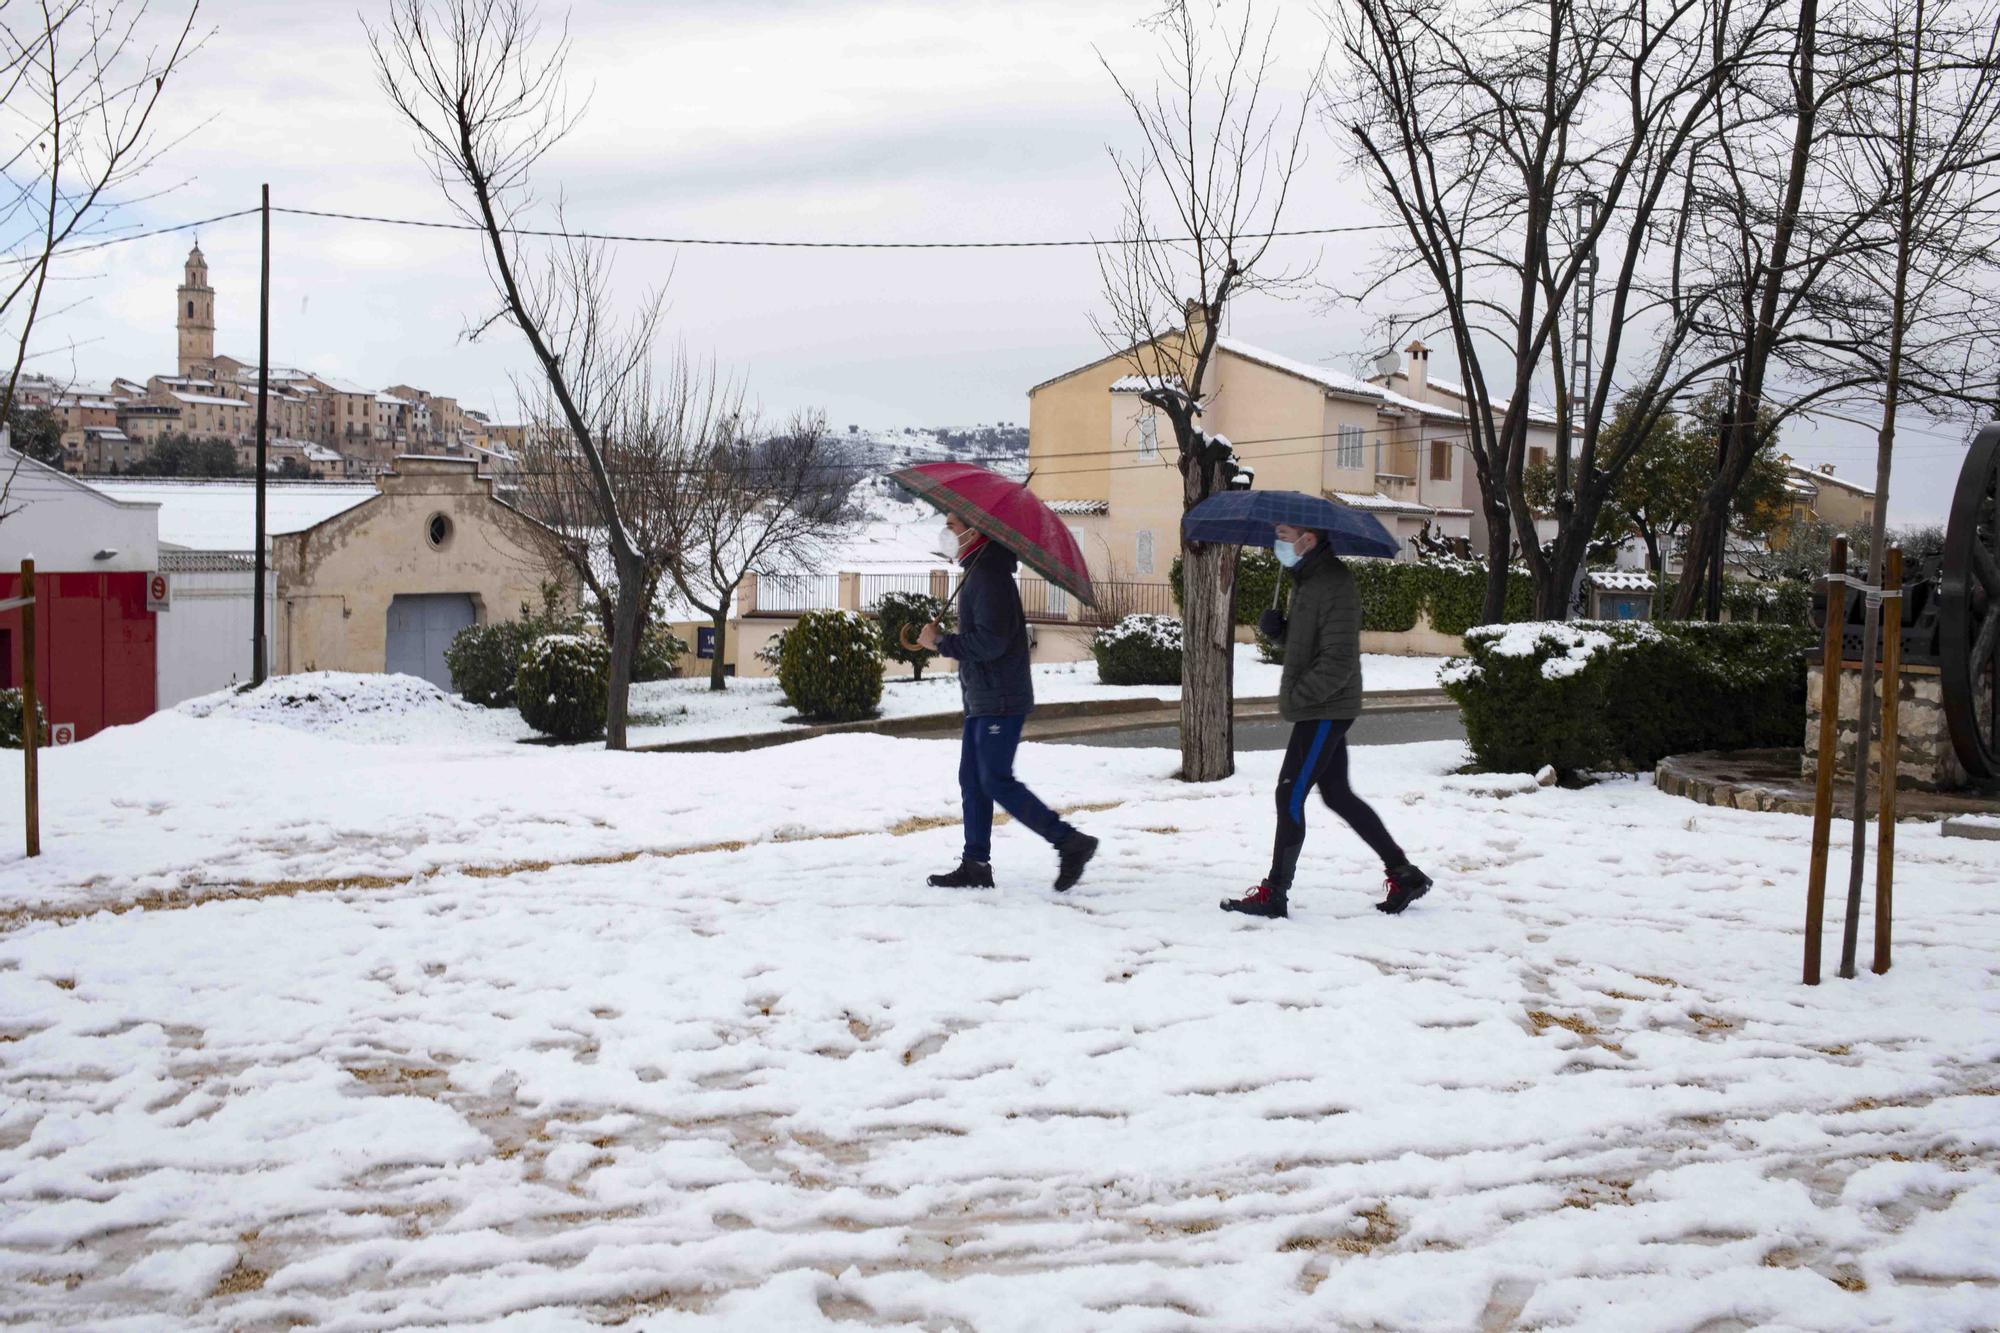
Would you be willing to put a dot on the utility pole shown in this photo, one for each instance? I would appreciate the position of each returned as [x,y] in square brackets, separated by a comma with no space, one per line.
[1583,336]
[257,626]
[1722,430]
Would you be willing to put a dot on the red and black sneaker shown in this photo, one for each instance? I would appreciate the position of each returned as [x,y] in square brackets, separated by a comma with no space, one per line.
[1260,901]
[1406,885]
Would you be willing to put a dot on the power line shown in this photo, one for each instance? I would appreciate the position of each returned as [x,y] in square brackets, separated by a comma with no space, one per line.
[134,236]
[761,243]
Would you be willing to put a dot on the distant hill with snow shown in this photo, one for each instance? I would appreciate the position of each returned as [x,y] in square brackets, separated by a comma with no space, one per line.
[877,453]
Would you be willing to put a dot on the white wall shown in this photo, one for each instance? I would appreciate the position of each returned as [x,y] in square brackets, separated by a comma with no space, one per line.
[63,524]
[204,635]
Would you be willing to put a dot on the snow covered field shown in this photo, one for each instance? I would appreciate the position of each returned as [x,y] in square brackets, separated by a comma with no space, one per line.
[297,1029]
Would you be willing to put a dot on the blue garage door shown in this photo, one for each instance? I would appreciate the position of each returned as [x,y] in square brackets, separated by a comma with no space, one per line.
[421,627]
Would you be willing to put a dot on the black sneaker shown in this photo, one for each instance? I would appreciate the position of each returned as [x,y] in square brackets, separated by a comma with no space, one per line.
[1071,857]
[1260,901]
[1406,885]
[969,875]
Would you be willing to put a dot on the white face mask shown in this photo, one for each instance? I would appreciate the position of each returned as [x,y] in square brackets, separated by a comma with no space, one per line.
[1287,554]
[948,543]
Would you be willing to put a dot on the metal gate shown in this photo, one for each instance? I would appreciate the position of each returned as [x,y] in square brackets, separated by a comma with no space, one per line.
[421,627]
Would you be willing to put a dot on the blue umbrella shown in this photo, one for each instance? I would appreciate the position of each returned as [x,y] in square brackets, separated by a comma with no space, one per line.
[1248,518]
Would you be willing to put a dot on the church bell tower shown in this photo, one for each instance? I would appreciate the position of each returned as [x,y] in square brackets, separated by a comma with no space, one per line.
[195,318]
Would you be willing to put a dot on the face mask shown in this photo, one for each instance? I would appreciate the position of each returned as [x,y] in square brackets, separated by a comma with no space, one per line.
[948,543]
[1287,555]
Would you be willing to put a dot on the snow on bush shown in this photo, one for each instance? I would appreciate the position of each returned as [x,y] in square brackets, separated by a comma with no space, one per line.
[831,666]
[1593,695]
[1139,650]
[366,709]
[563,684]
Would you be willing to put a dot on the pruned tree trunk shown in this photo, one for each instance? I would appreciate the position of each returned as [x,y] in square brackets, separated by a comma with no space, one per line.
[719,620]
[1208,656]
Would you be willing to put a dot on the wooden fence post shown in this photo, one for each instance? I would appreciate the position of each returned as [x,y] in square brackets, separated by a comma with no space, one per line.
[1892,692]
[31,712]
[1829,745]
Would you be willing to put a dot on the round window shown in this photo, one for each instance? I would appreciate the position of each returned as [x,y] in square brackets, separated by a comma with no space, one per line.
[438,530]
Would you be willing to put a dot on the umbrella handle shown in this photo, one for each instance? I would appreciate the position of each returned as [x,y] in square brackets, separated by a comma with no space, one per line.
[909,640]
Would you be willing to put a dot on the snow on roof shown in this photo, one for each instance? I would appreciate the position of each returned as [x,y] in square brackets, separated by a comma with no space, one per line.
[1140,383]
[1391,398]
[209,398]
[392,398]
[1379,503]
[222,515]
[1333,381]
[1819,476]
[1621,580]
[343,386]
[1545,416]
[1079,506]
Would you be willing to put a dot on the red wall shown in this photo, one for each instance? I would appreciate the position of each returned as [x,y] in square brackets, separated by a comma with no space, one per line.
[95,647]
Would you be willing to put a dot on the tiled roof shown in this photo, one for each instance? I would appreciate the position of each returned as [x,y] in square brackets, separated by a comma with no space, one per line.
[1079,506]
[1621,580]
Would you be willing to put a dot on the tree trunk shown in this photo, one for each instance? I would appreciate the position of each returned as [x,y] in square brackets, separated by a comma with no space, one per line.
[719,619]
[624,654]
[1208,637]
[1498,540]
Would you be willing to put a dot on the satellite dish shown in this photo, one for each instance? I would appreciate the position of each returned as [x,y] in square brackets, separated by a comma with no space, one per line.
[1388,363]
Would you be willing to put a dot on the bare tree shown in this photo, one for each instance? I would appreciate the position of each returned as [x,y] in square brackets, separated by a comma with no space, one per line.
[1202,197]
[1511,140]
[641,418]
[755,504]
[488,101]
[80,81]
[1773,225]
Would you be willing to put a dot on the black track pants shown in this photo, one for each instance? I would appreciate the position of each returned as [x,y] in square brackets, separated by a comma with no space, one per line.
[1317,757]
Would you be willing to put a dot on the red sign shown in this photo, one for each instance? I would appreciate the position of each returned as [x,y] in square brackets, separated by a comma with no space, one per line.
[62,733]
[159,592]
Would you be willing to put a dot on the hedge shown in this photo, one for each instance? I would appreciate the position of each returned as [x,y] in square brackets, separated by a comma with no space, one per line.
[12,705]
[1589,695]
[830,667]
[1257,573]
[563,685]
[1392,594]
[1139,650]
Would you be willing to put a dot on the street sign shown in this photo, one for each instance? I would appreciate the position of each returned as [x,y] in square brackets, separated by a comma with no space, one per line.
[62,733]
[159,592]
[704,642]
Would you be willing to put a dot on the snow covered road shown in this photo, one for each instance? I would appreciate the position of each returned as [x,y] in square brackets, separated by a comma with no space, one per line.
[682,1042]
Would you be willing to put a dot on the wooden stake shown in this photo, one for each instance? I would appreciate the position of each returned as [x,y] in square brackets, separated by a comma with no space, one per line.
[1892,693]
[1829,740]
[31,712]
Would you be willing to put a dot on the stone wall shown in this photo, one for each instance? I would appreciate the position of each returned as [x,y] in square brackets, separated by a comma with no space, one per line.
[1924,755]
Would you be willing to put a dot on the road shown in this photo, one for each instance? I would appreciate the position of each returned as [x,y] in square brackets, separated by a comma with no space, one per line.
[1371,728]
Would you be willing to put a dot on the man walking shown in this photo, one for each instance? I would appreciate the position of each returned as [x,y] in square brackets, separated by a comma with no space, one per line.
[1320,695]
[998,688]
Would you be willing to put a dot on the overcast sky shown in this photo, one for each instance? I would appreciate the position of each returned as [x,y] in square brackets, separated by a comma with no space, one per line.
[732,118]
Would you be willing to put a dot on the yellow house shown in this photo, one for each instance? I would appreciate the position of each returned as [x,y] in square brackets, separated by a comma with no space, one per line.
[1393,446]
[1817,494]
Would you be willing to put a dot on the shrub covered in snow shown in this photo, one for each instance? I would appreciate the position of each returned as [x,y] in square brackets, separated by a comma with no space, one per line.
[1587,695]
[563,684]
[1139,650]
[483,659]
[12,705]
[830,667]
[914,610]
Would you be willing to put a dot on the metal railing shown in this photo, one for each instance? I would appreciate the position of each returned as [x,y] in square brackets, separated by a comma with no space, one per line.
[874,587]
[786,594]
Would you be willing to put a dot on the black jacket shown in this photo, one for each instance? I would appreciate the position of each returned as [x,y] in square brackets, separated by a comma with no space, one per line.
[991,644]
[1322,679]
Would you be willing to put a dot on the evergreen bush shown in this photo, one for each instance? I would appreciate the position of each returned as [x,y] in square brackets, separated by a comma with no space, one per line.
[1257,573]
[563,684]
[915,610]
[1609,694]
[484,659]
[1139,650]
[12,705]
[660,652]
[830,667]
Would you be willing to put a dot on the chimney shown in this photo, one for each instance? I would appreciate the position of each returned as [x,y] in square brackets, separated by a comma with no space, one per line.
[1420,366]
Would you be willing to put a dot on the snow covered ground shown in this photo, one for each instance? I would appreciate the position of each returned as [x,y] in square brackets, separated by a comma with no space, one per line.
[465,1034]
[674,710]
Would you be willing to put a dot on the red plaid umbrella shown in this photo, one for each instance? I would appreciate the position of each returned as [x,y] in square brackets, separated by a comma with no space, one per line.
[1009,513]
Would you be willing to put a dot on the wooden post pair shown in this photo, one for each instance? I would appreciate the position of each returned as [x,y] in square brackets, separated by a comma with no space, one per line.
[1890,610]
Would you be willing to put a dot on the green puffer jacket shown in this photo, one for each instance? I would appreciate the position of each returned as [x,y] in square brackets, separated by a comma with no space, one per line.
[1322,680]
